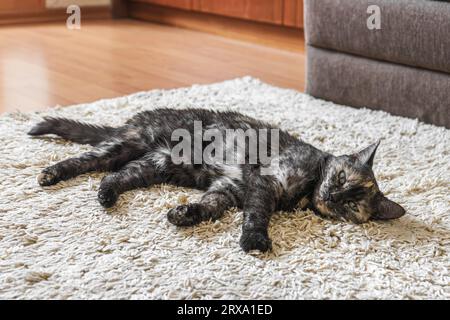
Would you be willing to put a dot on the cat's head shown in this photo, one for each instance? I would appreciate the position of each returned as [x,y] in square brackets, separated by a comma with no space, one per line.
[348,189]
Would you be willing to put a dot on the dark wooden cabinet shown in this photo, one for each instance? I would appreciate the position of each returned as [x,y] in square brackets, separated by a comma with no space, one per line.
[293,13]
[16,6]
[32,11]
[270,11]
[278,12]
[181,4]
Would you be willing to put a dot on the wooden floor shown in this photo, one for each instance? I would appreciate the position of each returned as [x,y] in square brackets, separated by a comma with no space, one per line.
[46,65]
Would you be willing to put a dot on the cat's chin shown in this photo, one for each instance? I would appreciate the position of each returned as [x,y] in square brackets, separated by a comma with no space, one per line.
[323,210]
[321,206]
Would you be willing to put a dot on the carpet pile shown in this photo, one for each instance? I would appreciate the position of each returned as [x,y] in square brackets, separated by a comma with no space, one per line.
[59,243]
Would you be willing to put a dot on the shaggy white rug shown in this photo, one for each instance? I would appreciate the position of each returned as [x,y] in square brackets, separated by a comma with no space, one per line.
[58,242]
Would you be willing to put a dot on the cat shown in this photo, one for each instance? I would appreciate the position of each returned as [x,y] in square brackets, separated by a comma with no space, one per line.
[138,154]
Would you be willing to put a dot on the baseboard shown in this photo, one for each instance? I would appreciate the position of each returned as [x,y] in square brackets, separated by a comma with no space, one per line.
[287,38]
[119,9]
[49,15]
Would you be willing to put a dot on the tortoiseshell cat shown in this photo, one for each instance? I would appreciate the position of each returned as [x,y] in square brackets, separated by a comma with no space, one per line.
[138,154]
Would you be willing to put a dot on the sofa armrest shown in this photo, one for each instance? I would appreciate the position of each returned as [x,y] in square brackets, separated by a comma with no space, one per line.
[413,32]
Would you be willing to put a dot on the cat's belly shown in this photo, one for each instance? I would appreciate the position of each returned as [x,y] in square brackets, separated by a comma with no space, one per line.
[204,176]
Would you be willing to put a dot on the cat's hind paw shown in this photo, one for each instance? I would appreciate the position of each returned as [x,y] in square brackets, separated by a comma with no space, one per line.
[47,178]
[255,240]
[185,215]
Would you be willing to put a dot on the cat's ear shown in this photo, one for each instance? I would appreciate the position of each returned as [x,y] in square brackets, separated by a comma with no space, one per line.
[386,209]
[366,155]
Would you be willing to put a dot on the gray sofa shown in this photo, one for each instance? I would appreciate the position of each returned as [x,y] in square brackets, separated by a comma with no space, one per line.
[402,68]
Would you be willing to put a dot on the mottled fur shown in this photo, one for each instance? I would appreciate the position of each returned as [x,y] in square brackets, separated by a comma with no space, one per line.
[138,154]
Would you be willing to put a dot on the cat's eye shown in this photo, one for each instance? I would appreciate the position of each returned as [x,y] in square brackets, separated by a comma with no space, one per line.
[341,178]
[352,205]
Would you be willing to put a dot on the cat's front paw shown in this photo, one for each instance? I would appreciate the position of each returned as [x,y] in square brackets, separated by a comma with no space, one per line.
[47,178]
[107,197]
[185,215]
[255,240]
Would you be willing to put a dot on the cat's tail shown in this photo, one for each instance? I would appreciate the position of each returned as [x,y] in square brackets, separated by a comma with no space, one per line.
[73,130]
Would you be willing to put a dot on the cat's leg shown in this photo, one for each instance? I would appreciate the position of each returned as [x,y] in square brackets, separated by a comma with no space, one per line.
[139,173]
[109,156]
[223,194]
[261,200]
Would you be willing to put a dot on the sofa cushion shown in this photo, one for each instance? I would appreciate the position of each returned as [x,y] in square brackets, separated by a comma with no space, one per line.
[361,82]
[413,32]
